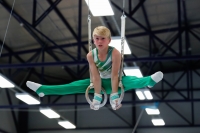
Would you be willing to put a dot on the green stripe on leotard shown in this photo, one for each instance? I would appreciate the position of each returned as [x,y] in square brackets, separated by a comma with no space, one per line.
[104,67]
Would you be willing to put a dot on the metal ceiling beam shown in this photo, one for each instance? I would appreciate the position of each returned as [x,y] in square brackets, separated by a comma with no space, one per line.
[12,112]
[130,6]
[38,75]
[196,70]
[177,81]
[33,57]
[179,26]
[139,34]
[34,11]
[64,20]
[17,57]
[79,33]
[66,68]
[61,79]
[141,2]
[42,69]
[188,52]
[178,36]
[171,90]
[84,70]
[192,97]
[187,38]
[127,36]
[26,77]
[47,48]
[55,45]
[119,116]
[177,112]
[151,39]
[69,70]
[165,30]
[10,62]
[189,77]
[117,127]
[85,103]
[144,28]
[84,62]
[197,37]
[11,51]
[53,5]
[27,26]
[173,87]
[134,112]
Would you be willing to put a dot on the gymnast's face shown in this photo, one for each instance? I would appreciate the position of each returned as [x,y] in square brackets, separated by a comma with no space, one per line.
[101,42]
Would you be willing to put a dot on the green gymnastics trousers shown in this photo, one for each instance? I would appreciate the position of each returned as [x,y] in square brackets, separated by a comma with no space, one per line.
[80,86]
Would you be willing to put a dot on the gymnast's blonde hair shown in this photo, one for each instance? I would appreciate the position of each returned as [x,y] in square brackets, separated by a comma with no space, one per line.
[102,31]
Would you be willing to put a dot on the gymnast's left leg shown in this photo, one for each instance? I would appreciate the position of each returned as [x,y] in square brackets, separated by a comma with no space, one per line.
[132,82]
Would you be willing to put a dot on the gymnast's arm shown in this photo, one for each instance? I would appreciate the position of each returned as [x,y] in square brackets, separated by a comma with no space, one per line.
[116,61]
[96,79]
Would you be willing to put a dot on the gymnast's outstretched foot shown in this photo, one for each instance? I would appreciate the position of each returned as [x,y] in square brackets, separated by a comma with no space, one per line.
[157,77]
[34,86]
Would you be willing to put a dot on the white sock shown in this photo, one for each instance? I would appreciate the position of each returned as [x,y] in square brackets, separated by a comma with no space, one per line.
[114,96]
[96,101]
[97,98]
[157,76]
[97,94]
[32,85]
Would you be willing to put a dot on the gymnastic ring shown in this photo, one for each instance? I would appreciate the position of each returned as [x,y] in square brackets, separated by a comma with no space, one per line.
[122,93]
[88,99]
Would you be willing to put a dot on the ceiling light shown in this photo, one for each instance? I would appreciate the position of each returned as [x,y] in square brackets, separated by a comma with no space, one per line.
[148,94]
[25,97]
[144,94]
[67,124]
[140,95]
[5,83]
[49,113]
[100,7]
[152,111]
[158,122]
[133,71]
[116,42]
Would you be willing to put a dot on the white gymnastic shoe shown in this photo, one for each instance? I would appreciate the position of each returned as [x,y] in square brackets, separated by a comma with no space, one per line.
[157,77]
[34,86]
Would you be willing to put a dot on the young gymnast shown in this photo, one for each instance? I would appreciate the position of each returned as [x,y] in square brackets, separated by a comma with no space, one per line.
[104,62]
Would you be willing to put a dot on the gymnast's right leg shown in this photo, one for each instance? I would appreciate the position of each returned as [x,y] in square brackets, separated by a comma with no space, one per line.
[72,88]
